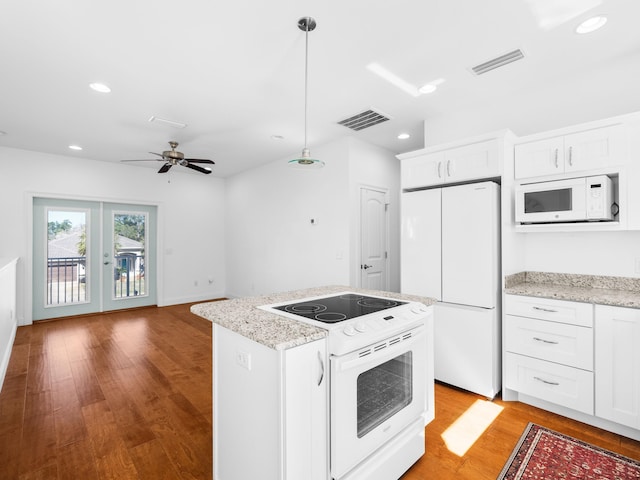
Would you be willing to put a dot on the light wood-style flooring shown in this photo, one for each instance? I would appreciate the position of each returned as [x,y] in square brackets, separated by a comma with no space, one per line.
[127,395]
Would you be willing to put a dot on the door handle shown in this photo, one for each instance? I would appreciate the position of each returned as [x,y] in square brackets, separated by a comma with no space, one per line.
[365,266]
[107,262]
[321,376]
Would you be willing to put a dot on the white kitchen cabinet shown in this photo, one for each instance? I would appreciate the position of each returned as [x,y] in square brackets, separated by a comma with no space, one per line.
[275,420]
[617,367]
[468,162]
[422,170]
[549,350]
[576,152]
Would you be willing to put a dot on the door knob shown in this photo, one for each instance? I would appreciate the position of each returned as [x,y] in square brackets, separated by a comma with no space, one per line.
[107,263]
[365,266]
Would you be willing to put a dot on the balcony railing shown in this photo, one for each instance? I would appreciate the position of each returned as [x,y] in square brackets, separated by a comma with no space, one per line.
[128,275]
[66,278]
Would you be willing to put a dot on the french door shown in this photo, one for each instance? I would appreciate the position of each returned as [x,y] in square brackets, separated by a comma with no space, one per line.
[92,257]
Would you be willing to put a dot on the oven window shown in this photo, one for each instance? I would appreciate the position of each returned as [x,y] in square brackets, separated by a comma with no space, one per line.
[548,201]
[383,391]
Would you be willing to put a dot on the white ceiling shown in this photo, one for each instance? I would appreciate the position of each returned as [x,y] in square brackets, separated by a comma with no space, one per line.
[234,71]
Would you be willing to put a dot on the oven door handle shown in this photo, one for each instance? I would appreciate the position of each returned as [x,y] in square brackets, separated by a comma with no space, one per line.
[321,361]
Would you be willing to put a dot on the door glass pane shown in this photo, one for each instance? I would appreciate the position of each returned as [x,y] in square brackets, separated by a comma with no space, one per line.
[383,391]
[548,201]
[67,248]
[129,242]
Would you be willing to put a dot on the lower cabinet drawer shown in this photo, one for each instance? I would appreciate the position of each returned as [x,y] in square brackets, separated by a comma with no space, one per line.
[559,384]
[569,345]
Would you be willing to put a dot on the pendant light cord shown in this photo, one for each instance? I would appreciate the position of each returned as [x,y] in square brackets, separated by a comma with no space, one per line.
[306,75]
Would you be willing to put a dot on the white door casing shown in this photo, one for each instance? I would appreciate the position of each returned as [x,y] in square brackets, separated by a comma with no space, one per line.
[98,268]
[374,271]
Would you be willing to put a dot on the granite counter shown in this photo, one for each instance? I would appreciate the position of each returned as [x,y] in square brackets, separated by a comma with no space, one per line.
[596,289]
[242,315]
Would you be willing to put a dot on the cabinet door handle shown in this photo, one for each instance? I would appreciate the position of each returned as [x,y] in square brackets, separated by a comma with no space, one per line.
[546,381]
[538,339]
[571,156]
[549,310]
[439,169]
[448,168]
[321,368]
[556,158]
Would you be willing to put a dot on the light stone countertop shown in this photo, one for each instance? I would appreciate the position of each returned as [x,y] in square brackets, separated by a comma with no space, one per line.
[597,289]
[242,316]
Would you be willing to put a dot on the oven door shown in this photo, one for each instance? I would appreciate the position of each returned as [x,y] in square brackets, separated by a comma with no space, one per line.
[557,201]
[376,392]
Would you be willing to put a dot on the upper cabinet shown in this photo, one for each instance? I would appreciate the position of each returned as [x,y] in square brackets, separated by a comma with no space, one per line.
[478,160]
[588,150]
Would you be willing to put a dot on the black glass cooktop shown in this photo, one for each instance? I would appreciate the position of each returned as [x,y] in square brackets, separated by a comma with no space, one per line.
[339,308]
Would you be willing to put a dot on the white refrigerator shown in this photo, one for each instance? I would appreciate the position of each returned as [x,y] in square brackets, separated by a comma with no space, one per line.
[450,251]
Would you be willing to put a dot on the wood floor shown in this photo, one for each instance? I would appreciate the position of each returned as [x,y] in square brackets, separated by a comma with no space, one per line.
[128,396]
[116,396]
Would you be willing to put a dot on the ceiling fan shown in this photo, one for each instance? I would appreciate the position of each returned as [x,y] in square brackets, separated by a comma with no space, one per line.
[173,157]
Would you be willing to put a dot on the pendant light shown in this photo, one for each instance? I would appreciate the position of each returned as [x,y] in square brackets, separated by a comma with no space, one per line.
[306,24]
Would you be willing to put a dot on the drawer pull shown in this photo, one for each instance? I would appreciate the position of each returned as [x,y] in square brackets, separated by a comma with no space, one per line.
[549,310]
[546,381]
[538,339]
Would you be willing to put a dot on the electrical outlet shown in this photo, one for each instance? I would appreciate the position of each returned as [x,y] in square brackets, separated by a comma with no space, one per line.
[243,359]
[195,283]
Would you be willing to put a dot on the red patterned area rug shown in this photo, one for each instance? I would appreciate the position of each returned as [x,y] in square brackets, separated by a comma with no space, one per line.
[542,454]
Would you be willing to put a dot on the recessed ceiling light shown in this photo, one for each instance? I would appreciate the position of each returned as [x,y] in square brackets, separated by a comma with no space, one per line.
[403,136]
[100,87]
[75,147]
[428,88]
[592,24]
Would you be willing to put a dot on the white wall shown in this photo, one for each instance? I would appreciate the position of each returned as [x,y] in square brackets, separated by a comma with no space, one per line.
[271,244]
[589,253]
[8,323]
[191,211]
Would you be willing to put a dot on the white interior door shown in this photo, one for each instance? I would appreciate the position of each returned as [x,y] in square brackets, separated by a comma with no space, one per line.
[373,239]
[90,257]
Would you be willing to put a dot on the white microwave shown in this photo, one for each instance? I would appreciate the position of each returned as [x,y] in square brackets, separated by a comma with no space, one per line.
[583,199]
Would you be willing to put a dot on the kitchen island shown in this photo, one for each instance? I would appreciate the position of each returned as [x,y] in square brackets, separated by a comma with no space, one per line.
[271,389]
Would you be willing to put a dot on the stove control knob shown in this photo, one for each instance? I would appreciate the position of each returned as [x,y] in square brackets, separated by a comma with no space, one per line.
[361,327]
[349,330]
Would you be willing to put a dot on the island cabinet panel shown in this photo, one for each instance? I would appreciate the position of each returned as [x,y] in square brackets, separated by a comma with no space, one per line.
[270,409]
[617,343]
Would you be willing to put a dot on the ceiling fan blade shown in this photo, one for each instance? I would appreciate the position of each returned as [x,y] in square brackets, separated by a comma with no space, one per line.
[197,168]
[159,154]
[165,168]
[197,160]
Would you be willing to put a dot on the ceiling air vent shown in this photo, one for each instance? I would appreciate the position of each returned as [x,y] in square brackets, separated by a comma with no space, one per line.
[363,120]
[498,62]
